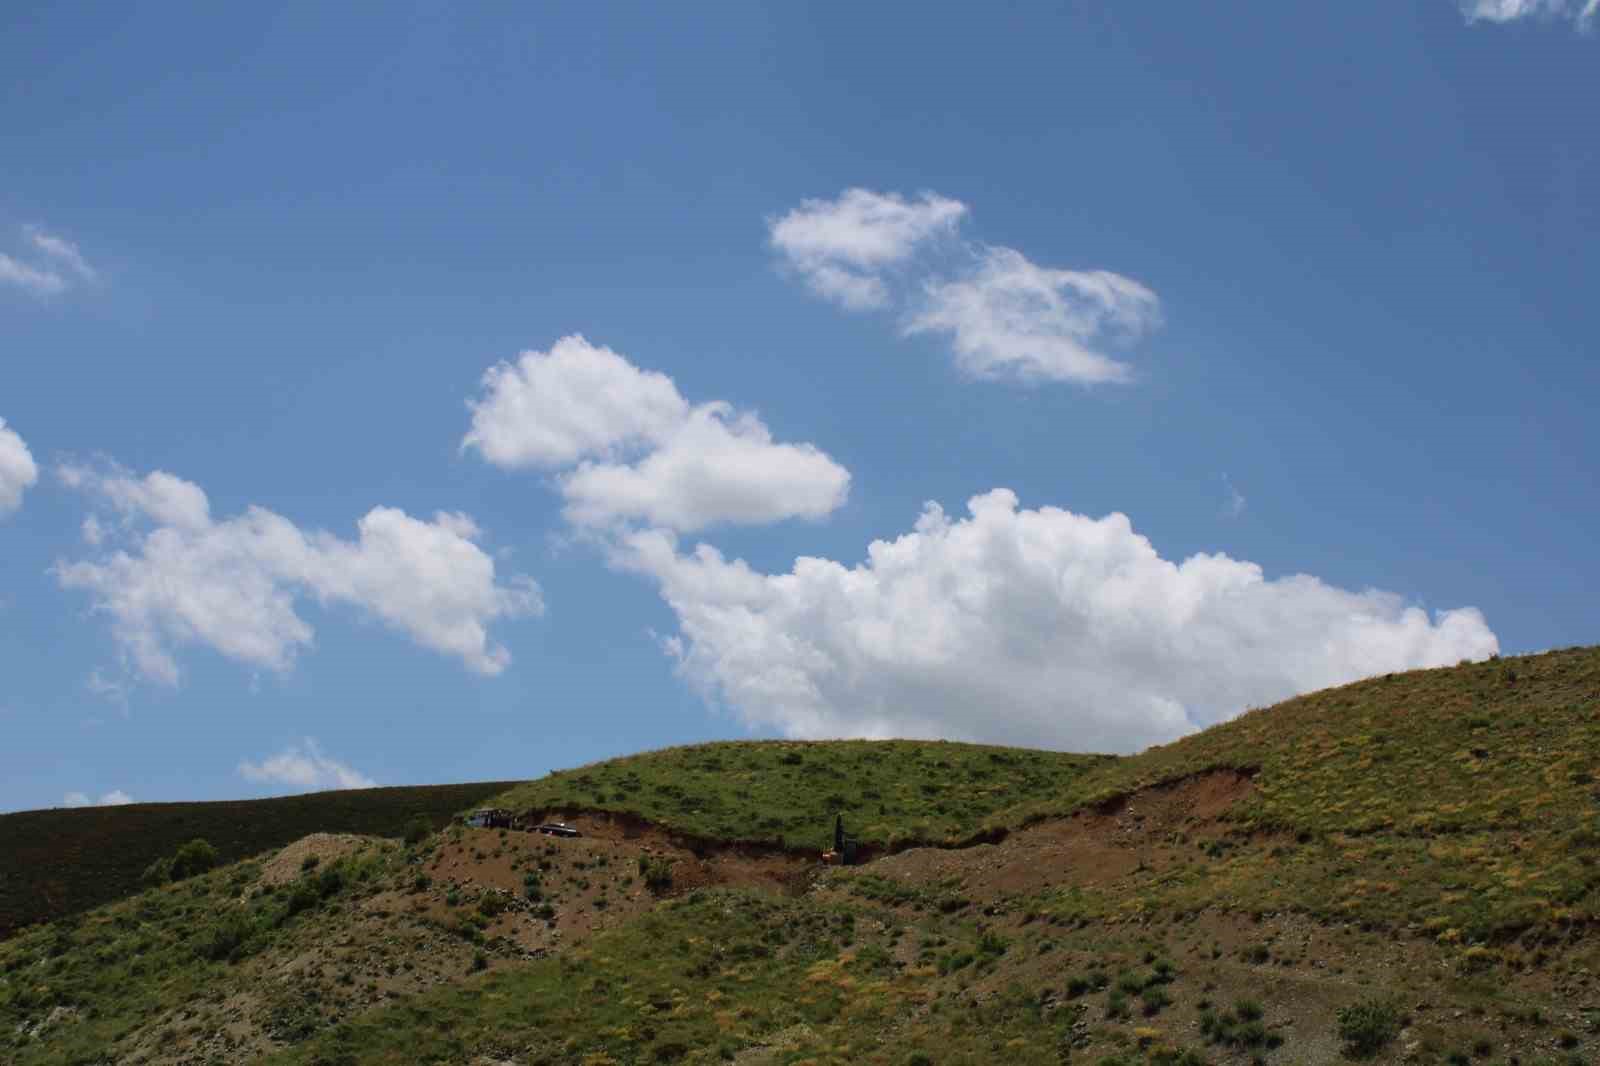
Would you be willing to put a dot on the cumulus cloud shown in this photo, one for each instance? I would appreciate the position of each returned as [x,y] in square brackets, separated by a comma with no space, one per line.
[549,409]
[169,575]
[18,471]
[1006,316]
[1581,12]
[627,446]
[1035,627]
[114,798]
[841,246]
[1012,318]
[57,264]
[305,766]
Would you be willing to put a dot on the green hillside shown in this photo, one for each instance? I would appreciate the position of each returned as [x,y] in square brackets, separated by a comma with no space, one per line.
[893,792]
[59,862]
[1402,870]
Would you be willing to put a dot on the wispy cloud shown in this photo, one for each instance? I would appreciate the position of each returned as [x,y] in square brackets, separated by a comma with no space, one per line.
[54,265]
[1006,316]
[115,798]
[1233,502]
[1580,12]
[305,766]
[61,250]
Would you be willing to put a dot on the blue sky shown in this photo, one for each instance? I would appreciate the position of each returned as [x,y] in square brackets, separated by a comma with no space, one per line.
[416,395]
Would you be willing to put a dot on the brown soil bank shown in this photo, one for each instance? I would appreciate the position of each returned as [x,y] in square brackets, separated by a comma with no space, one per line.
[1094,847]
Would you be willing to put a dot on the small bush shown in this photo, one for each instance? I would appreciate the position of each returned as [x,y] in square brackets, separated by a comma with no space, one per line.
[656,871]
[330,882]
[418,829]
[1368,1027]
[309,862]
[195,857]
[157,873]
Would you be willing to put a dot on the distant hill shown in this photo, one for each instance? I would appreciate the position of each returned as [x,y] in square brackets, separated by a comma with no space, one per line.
[58,862]
[1406,869]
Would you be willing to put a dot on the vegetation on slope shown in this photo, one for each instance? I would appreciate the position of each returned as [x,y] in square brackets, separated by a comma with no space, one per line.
[59,862]
[1408,869]
[891,792]
[1465,801]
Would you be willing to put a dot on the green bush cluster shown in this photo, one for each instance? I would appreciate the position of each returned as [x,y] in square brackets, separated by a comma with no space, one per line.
[195,857]
[1368,1027]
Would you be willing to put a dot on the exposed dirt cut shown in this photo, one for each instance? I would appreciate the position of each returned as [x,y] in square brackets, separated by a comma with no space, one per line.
[1092,848]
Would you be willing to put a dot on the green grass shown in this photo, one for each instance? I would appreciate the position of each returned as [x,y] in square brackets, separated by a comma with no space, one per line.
[59,862]
[703,978]
[117,969]
[891,792]
[1463,802]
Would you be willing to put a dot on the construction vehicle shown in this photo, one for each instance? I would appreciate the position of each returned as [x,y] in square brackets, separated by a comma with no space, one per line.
[843,852]
[490,818]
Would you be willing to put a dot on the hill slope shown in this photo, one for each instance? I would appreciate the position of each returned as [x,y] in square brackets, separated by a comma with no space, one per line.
[58,862]
[893,792]
[1403,869]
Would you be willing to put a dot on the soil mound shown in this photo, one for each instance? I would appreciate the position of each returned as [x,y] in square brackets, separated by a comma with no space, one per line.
[289,862]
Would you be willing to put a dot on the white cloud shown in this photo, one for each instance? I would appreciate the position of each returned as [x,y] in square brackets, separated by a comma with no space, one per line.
[717,467]
[1037,627]
[549,409]
[18,471]
[114,798]
[842,246]
[1012,318]
[307,767]
[1234,504]
[61,250]
[185,578]
[1006,316]
[62,264]
[633,448]
[40,282]
[1580,11]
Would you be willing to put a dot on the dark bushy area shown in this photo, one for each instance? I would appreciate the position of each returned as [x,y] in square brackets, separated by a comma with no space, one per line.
[59,862]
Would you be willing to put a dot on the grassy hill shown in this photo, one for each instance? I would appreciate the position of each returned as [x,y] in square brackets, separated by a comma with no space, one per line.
[59,862]
[1404,869]
[893,792]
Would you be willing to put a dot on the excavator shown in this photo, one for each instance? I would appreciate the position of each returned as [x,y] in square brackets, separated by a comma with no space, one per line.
[843,852]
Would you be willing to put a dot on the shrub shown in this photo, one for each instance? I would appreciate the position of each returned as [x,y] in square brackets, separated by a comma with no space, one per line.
[195,857]
[157,873]
[228,939]
[1367,1027]
[656,871]
[331,881]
